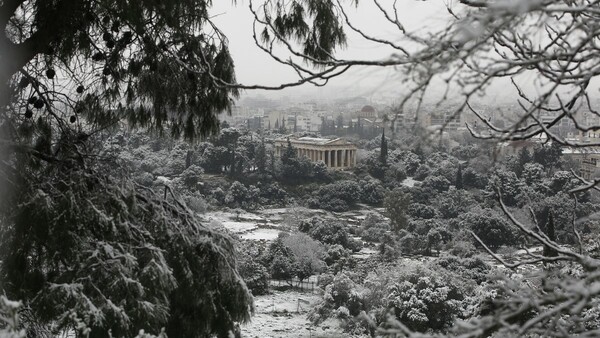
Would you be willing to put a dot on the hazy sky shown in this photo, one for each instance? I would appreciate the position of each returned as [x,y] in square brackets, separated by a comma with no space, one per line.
[253,66]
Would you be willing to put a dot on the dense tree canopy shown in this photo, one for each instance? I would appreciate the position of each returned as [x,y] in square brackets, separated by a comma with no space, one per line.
[82,241]
[85,243]
[64,62]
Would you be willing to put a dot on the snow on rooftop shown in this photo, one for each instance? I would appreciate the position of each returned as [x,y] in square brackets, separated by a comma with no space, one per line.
[314,140]
[590,150]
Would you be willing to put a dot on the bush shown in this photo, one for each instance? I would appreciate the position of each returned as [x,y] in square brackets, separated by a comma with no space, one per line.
[490,227]
[418,210]
[256,277]
[196,203]
[372,192]
[373,228]
[422,298]
[339,196]
[438,183]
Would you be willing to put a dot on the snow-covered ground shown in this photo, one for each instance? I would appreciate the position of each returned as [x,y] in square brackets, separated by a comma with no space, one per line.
[364,253]
[261,234]
[265,224]
[409,182]
[283,314]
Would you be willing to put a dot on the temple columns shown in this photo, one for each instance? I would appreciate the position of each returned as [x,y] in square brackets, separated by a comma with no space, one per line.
[345,152]
[335,158]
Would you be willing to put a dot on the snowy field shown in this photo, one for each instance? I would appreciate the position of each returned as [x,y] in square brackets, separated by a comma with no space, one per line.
[261,234]
[263,225]
[284,315]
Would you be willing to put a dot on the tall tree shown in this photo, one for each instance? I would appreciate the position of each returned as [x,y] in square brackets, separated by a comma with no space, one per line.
[261,157]
[339,124]
[289,153]
[396,204]
[548,155]
[550,233]
[283,129]
[383,153]
[459,178]
[295,123]
[80,241]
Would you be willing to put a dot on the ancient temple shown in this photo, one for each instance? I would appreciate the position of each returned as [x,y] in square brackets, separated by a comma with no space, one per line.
[336,153]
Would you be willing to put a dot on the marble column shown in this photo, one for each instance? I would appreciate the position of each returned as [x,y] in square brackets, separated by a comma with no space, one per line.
[335,158]
[345,152]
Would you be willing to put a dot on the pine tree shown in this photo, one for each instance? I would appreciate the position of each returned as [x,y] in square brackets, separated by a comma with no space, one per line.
[384,149]
[80,239]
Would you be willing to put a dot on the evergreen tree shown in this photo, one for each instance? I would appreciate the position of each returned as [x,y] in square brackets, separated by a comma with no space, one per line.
[295,123]
[80,241]
[339,128]
[289,153]
[283,130]
[384,149]
[272,162]
[550,233]
[359,128]
[548,155]
[459,178]
[396,204]
[523,158]
[261,157]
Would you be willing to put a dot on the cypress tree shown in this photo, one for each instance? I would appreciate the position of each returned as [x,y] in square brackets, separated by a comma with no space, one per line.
[384,149]
[295,123]
[283,130]
[459,179]
[548,251]
[288,153]
[261,157]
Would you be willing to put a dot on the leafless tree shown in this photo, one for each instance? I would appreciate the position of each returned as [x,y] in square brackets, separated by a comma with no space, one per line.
[554,42]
